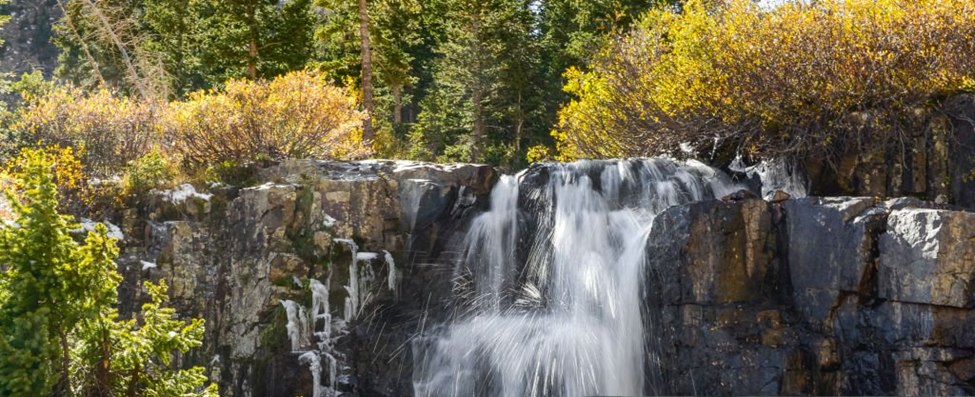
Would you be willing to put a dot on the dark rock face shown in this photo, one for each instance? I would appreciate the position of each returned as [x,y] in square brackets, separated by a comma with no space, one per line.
[828,296]
[27,36]
[233,256]
[935,162]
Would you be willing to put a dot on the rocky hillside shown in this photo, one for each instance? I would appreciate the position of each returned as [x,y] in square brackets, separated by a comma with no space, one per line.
[840,295]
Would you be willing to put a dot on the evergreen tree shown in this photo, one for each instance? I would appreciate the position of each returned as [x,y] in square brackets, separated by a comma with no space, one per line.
[255,38]
[484,69]
[49,285]
[174,39]
[394,31]
[98,40]
[59,332]
[133,358]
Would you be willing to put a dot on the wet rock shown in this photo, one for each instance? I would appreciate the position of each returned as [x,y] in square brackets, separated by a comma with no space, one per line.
[712,262]
[739,196]
[777,196]
[236,259]
[743,297]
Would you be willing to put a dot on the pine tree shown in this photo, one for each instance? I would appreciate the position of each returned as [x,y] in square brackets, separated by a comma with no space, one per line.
[381,60]
[50,284]
[131,358]
[174,39]
[255,38]
[484,70]
[59,331]
[100,43]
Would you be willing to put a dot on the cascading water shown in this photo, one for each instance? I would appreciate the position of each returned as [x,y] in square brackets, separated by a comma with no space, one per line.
[548,292]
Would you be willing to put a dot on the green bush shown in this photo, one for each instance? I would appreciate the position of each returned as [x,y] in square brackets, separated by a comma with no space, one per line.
[148,172]
[59,329]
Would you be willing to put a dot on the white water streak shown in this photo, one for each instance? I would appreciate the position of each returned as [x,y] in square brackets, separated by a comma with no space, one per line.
[563,319]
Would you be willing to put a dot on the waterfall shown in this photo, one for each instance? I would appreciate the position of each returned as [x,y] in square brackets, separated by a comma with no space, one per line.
[548,291]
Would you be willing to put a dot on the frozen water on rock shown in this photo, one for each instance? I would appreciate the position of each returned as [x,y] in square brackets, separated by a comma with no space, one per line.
[314,362]
[774,175]
[563,318]
[298,331]
[391,268]
[366,256]
[184,192]
[88,225]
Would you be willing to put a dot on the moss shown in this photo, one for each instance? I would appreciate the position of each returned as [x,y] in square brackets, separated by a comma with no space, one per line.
[276,332]
[283,282]
[218,207]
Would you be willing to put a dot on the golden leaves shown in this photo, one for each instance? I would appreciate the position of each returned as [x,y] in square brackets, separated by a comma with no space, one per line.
[734,69]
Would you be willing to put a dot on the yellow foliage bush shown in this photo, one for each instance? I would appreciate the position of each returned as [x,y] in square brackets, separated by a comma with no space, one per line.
[792,80]
[293,116]
[79,193]
[106,131]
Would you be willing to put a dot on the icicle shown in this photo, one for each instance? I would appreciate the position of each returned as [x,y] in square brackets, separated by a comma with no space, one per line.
[315,366]
[297,325]
[391,276]
[320,312]
[352,302]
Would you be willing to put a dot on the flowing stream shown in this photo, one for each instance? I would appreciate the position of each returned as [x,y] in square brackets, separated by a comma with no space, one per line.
[548,289]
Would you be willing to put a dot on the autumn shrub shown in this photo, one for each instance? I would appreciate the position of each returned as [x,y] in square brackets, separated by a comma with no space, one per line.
[804,78]
[79,193]
[296,115]
[106,131]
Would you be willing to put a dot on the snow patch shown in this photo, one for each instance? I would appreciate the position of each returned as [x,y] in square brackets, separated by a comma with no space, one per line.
[184,192]
[366,256]
[88,225]
[328,221]
[148,265]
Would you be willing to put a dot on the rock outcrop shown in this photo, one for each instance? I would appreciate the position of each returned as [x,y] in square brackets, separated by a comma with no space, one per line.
[827,296]
[364,234]
[933,159]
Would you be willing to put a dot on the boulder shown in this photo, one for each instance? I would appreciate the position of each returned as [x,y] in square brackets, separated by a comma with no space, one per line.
[831,244]
[928,256]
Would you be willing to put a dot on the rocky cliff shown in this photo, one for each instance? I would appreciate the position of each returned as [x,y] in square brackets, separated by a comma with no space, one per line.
[745,296]
[823,296]
[378,237]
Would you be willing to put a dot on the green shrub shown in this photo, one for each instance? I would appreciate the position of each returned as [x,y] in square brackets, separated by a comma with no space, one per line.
[148,172]
[797,79]
[59,328]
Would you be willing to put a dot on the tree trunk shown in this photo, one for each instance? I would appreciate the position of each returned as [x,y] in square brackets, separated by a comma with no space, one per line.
[478,92]
[62,387]
[133,387]
[103,374]
[397,103]
[478,125]
[110,31]
[519,124]
[252,61]
[84,45]
[252,52]
[367,100]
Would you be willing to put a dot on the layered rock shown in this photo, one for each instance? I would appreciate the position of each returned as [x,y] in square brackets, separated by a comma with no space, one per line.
[242,258]
[829,296]
[826,296]
[932,159]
